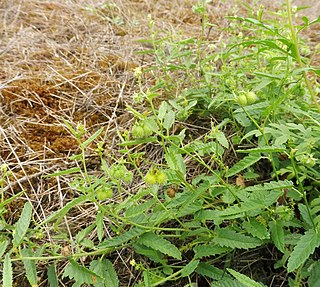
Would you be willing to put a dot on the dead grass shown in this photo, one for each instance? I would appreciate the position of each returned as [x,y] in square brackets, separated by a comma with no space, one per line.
[74,60]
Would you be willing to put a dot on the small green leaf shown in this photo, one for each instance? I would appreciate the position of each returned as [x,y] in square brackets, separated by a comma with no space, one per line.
[189,268]
[169,120]
[80,274]
[221,138]
[106,271]
[52,276]
[156,242]
[212,272]
[7,273]
[30,266]
[175,161]
[92,138]
[162,110]
[100,225]
[3,246]
[304,248]
[147,279]
[243,164]
[22,225]
[314,279]
[256,228]
[209,250]
[277,234]
[243,279]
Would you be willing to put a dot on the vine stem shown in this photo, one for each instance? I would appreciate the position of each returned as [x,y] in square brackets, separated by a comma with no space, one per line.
[298,56]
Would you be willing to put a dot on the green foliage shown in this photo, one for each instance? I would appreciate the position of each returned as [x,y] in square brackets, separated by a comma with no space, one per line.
[199,201]
[304,248]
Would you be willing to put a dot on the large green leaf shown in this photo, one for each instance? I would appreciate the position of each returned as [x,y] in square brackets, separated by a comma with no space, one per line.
[245,280]
[277,234]
[230,238]
[304,248]
[244,163]
[157,242]
[30,266]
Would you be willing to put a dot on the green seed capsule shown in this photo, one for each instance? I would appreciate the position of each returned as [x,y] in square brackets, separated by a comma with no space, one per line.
[242,100]
[251,98]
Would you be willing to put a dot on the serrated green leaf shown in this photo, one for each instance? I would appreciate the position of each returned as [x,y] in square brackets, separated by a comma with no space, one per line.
[230,238]
[154,255]
[106,271]
[7,272]
[52,276]
[305,214]
[3,246]
[169,120]
[147,279]
[156,242]
[80,274]
[100,225]
[210,271]
[221,138]
[277,234]
[270,186]
[175,161]
[314,278]
[30,266]
[209,250]
[162,110]
[304,248]
[121,239]
[243,164]
[22,225]
[189,268]
[256,228]
[243,279]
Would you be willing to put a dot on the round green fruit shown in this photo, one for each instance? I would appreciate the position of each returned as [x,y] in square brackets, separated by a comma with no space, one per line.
[251,98]
[137,132]
[150,178]
[160,177]
[103,193]
[242,100]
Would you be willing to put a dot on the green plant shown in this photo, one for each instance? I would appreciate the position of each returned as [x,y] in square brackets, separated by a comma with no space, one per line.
[241,178]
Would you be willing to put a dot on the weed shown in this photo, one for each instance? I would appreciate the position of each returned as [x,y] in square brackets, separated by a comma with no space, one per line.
[204,199]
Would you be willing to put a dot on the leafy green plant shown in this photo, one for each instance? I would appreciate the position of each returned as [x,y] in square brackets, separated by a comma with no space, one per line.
[196,206]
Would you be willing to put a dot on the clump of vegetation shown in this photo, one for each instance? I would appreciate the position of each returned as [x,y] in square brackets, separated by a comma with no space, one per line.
[222,159]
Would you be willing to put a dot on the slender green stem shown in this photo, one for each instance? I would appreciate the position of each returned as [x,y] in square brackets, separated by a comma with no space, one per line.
[295,44]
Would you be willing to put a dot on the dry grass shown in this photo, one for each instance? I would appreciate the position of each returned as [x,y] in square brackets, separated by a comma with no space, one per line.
[74,60]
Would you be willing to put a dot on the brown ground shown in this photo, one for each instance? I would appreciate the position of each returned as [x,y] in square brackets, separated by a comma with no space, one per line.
[74,60]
